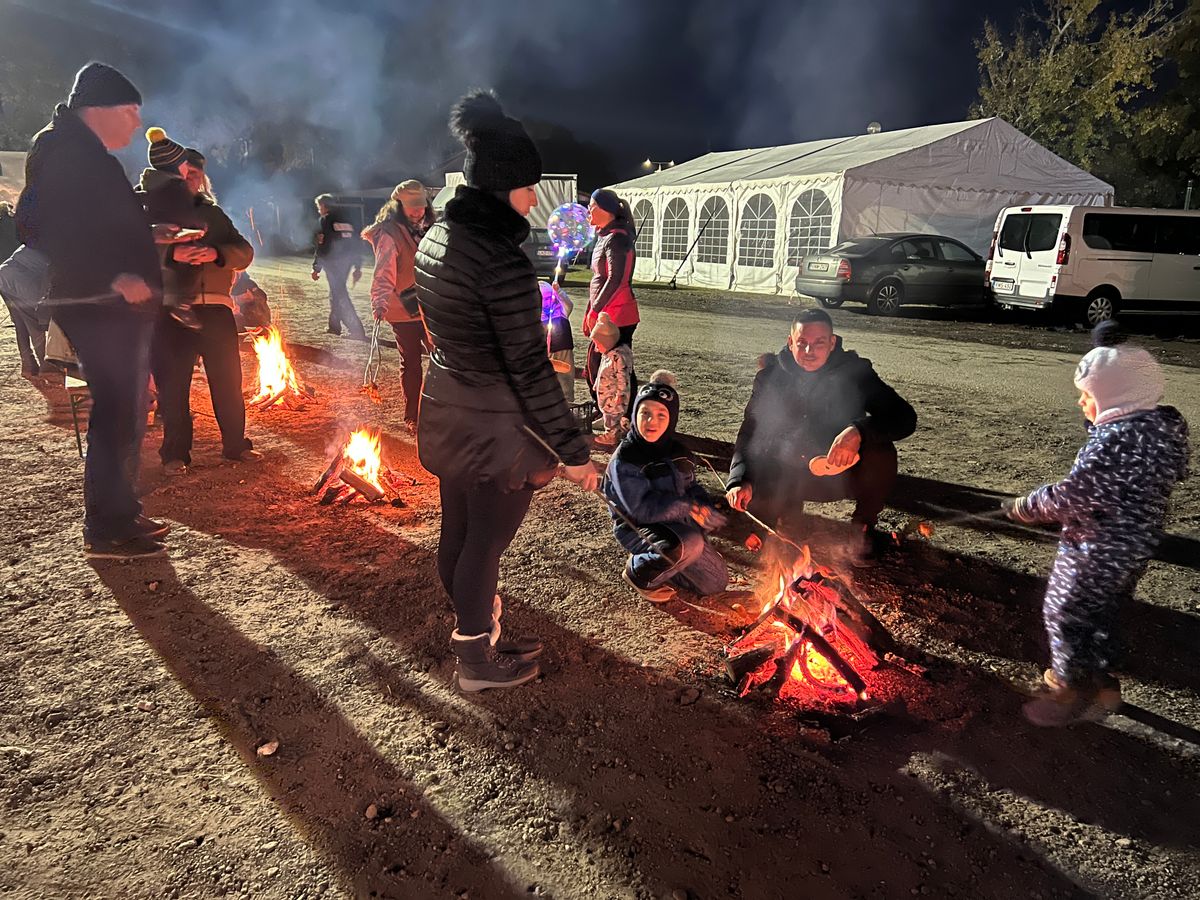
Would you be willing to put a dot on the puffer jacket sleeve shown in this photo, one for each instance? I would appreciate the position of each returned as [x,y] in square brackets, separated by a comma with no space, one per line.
[630,490]
[513,308]
[1091,487]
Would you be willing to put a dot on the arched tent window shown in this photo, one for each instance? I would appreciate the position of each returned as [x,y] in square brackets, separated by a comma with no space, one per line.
[810,226]
[756,236]
[674,243]
[643,221]
[713,246]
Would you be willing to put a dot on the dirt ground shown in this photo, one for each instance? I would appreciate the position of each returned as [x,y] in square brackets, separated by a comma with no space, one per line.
[137,700]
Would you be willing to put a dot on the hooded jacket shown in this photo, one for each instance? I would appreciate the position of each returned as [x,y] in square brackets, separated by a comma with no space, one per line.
[489,374]
[794,415]
[394,283]
[168,199]
[79,210]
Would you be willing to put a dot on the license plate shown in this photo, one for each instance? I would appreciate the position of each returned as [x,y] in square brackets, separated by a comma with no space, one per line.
[817,267]
[545,253]
[1003,286]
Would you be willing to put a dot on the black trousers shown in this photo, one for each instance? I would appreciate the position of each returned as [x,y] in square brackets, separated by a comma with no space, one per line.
[113,346]
[173,359]
[780,497]
[410,339]
[478,524]
[595,354]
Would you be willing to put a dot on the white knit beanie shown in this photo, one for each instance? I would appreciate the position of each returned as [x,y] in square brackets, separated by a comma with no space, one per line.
[1124,379]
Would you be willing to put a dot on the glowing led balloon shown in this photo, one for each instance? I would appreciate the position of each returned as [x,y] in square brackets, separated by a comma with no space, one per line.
[569,229]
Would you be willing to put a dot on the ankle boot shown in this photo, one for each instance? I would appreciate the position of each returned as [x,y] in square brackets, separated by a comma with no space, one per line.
[523,649]
[481,666]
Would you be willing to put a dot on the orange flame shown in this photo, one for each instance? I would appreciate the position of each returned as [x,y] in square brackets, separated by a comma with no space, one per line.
[276,378]
[363,455]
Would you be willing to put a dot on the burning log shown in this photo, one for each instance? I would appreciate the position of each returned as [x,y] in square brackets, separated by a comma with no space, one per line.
[360,484]
[748,662]
[818,643]
[277,382]
[334,470]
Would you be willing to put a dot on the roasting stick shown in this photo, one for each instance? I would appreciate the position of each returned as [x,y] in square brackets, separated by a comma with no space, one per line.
[374,357]
[745,512]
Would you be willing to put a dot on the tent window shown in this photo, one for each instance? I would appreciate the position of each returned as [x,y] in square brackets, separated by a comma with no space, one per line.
[675,230]
[756,237]
[810,226]
[713,246]
[643,221]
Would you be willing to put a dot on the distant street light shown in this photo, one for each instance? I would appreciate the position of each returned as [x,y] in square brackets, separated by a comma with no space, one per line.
[649,164]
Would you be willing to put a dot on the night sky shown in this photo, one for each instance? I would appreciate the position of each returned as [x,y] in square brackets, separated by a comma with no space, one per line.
[612,81]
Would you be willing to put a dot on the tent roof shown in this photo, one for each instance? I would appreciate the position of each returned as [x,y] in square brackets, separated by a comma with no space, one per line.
[889,153]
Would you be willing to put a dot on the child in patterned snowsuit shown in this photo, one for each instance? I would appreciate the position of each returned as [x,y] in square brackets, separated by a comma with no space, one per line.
[614,381]
[1111,507]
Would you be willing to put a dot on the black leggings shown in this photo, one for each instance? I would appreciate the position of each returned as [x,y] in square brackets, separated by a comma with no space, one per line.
[478,523]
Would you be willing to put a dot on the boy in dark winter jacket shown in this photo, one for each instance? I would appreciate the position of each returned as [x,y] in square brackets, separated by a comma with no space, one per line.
[1111,507]
[661,512]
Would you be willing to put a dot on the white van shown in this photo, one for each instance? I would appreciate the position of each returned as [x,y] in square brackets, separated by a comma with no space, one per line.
[1095,260]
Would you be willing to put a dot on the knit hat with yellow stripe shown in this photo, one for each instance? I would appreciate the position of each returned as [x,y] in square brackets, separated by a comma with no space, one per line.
[164,153]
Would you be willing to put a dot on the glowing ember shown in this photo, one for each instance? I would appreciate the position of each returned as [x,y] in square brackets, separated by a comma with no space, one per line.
[363,456]
[276,378]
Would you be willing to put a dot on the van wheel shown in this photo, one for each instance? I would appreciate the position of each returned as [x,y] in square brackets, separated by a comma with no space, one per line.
[885,298]
[1099,307]
[830,302]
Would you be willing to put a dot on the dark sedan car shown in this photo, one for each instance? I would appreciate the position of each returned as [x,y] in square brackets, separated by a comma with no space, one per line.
[886,270]
[541,253]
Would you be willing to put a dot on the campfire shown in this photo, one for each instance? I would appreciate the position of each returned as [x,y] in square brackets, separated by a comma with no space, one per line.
[357,469]
[813,636]
[277,382]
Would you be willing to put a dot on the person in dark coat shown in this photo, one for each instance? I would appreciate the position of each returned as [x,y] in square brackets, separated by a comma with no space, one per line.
[394,236]
[661,513]
[814,399]
[79,210]
[338,255]
[494,423]
[1111,507]
[31,332]
[197,277]
[611,288]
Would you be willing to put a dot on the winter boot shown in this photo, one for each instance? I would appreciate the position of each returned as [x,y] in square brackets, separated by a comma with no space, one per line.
[522,649]
[481,666]
[1064,706]
[1108,689]
[864,553]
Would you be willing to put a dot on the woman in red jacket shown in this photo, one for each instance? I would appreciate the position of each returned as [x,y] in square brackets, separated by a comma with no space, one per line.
[611,289]
[394,236]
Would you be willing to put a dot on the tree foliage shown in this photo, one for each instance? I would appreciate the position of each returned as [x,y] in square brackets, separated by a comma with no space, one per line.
[1088,84]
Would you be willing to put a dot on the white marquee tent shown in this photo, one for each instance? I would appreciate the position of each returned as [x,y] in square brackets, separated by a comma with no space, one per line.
[753,214]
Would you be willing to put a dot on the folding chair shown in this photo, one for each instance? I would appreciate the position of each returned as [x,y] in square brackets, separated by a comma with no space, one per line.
[77,395]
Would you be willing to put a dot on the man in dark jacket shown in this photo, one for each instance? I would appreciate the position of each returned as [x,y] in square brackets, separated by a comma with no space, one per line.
[79,210]
[338,252]
[816,399]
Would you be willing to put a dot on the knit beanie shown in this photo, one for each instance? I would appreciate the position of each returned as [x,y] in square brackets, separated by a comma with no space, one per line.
[99,85]
[605,334]
[500,154]
[1124,379]
[607,200]
[163,152]
[661,389]
[411,194]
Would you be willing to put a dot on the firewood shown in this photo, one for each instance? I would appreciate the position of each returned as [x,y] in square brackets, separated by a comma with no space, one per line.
[746,663]
[334,469]
[331,494]
[360,484]
[827,650]
[784,663]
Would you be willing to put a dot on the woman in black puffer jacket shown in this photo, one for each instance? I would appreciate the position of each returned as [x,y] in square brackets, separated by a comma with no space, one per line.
[491,407]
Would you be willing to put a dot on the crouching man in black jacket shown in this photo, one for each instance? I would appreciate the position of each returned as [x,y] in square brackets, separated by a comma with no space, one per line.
[814,399]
